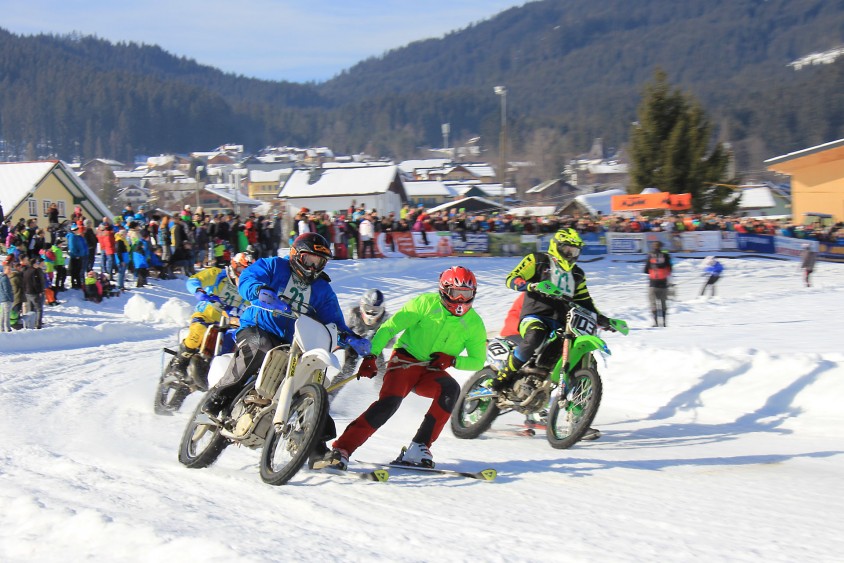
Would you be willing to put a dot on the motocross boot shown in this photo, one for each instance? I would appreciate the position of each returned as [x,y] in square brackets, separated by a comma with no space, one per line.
[178,366]
[507,374]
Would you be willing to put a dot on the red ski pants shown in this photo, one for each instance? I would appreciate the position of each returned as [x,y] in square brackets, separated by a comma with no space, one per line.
[399,381]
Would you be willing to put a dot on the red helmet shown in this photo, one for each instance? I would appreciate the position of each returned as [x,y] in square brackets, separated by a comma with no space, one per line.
[309,254]
[457,290]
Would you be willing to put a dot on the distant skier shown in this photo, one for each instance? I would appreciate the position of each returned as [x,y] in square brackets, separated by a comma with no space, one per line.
[808,258]
[658,268]
[712,268]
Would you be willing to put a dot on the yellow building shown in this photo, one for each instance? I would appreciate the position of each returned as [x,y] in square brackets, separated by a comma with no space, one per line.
[28,188]
[817,179]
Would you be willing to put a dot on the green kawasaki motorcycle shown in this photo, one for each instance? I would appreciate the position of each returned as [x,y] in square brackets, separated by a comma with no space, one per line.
[574,393]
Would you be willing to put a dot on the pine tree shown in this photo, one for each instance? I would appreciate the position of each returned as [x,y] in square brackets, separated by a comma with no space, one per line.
[670,149]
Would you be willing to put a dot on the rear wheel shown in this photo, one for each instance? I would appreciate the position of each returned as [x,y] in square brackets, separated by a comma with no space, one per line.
[569,417]
[475,409]
[286,450]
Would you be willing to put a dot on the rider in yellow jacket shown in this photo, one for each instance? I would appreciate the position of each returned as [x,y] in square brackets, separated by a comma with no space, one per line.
[216,292]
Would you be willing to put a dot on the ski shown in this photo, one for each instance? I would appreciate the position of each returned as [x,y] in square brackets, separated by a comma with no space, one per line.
[376,475]
[482,475]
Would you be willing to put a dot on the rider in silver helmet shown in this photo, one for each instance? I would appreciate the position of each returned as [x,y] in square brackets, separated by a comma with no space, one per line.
[364,319]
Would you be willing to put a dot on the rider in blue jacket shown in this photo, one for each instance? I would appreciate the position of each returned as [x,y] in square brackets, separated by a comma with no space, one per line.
[712,268]
[279,284]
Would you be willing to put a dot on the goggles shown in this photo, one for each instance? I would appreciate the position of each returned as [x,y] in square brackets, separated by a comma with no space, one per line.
[312,261]
[372,311]
[569,252]
[463,294]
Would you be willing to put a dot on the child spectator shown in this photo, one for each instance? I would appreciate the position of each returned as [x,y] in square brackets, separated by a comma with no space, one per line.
[93,287]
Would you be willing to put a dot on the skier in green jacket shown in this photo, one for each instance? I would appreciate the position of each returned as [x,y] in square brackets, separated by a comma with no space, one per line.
[437,329]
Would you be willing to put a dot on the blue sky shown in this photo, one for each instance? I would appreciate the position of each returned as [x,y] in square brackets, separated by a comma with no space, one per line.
[270,39]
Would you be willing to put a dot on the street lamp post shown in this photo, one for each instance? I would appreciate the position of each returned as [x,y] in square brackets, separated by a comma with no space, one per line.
[199,169]
[502,143]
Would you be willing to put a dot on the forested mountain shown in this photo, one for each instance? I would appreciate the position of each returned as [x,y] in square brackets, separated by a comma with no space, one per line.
[574,70]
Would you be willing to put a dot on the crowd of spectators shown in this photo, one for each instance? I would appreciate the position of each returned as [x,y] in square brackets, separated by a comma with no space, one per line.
[343,228]
[39,263]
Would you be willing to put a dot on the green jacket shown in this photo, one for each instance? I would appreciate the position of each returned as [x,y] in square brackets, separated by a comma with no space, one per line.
[428,327]
[59,255]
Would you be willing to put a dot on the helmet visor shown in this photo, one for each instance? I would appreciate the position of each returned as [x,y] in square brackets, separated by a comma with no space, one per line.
[463,294]
[312,261]
[569,252]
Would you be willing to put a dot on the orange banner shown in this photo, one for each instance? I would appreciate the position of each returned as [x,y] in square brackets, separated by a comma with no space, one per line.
[658,200]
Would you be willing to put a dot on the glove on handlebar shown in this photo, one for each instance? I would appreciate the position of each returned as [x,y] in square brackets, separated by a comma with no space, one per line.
[546,288]
[368,368]
[270,300]
[441,361]
[362,346]
[202,296]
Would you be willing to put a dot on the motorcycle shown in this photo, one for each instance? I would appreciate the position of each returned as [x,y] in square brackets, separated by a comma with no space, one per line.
[172,390]
[283,408]
[574,392]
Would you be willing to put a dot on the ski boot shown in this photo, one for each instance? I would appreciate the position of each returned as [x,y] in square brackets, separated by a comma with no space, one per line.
[416,454]
[335,459]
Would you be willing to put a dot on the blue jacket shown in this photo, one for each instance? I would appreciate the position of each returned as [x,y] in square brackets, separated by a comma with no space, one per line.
[6,292]
[76,245]
[142,254]
[275,273]
[714,269]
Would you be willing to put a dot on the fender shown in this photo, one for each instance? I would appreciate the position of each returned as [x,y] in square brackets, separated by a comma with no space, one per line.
[219,365]
[581,346]
[317,359]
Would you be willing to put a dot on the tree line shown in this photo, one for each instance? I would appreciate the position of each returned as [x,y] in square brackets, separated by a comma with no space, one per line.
[574,69]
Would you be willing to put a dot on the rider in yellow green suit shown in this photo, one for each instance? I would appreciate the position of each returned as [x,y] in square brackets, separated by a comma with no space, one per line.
[216,291]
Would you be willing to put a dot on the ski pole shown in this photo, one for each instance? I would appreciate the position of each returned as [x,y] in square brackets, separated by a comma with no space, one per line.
[341,383]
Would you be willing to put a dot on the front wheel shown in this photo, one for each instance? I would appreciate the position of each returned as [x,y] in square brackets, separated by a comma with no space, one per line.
[286,451]
[570,417]
[202,441]
[475,409]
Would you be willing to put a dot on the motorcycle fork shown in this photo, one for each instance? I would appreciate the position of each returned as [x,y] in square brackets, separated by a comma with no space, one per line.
[564,371]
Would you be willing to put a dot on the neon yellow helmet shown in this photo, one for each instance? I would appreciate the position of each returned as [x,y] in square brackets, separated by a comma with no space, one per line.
[565,247]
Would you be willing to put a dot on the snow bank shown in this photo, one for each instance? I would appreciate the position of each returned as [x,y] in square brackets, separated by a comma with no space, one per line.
[173,312]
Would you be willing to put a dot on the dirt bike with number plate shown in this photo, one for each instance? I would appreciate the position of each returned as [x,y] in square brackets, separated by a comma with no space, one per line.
[172,390]
[282,408]
[574,392]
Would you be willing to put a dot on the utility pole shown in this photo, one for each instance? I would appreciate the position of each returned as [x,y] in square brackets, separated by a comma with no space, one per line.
[502,142]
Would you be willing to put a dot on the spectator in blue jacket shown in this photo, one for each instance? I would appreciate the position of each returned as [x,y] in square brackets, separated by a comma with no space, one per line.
[712,268]
[142,258]
[77,249]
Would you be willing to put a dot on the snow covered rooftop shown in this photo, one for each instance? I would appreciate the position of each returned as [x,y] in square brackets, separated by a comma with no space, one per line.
[18,179]
[429,188]
[359,180]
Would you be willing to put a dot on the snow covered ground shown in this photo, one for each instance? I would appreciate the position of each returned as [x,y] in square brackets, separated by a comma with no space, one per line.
[722,439]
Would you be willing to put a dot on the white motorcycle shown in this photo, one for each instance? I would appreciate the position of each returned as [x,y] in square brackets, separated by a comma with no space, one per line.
[283,407]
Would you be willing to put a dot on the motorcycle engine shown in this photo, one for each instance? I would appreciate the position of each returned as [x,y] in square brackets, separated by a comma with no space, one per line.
[526,386]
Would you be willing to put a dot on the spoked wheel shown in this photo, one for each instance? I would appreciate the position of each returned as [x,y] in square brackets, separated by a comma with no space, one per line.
[286,450]
[202,441]
[169,395]
[570,417]
[475,409]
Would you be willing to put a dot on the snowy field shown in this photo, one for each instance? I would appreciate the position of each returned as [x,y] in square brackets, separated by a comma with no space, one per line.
[723,439]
